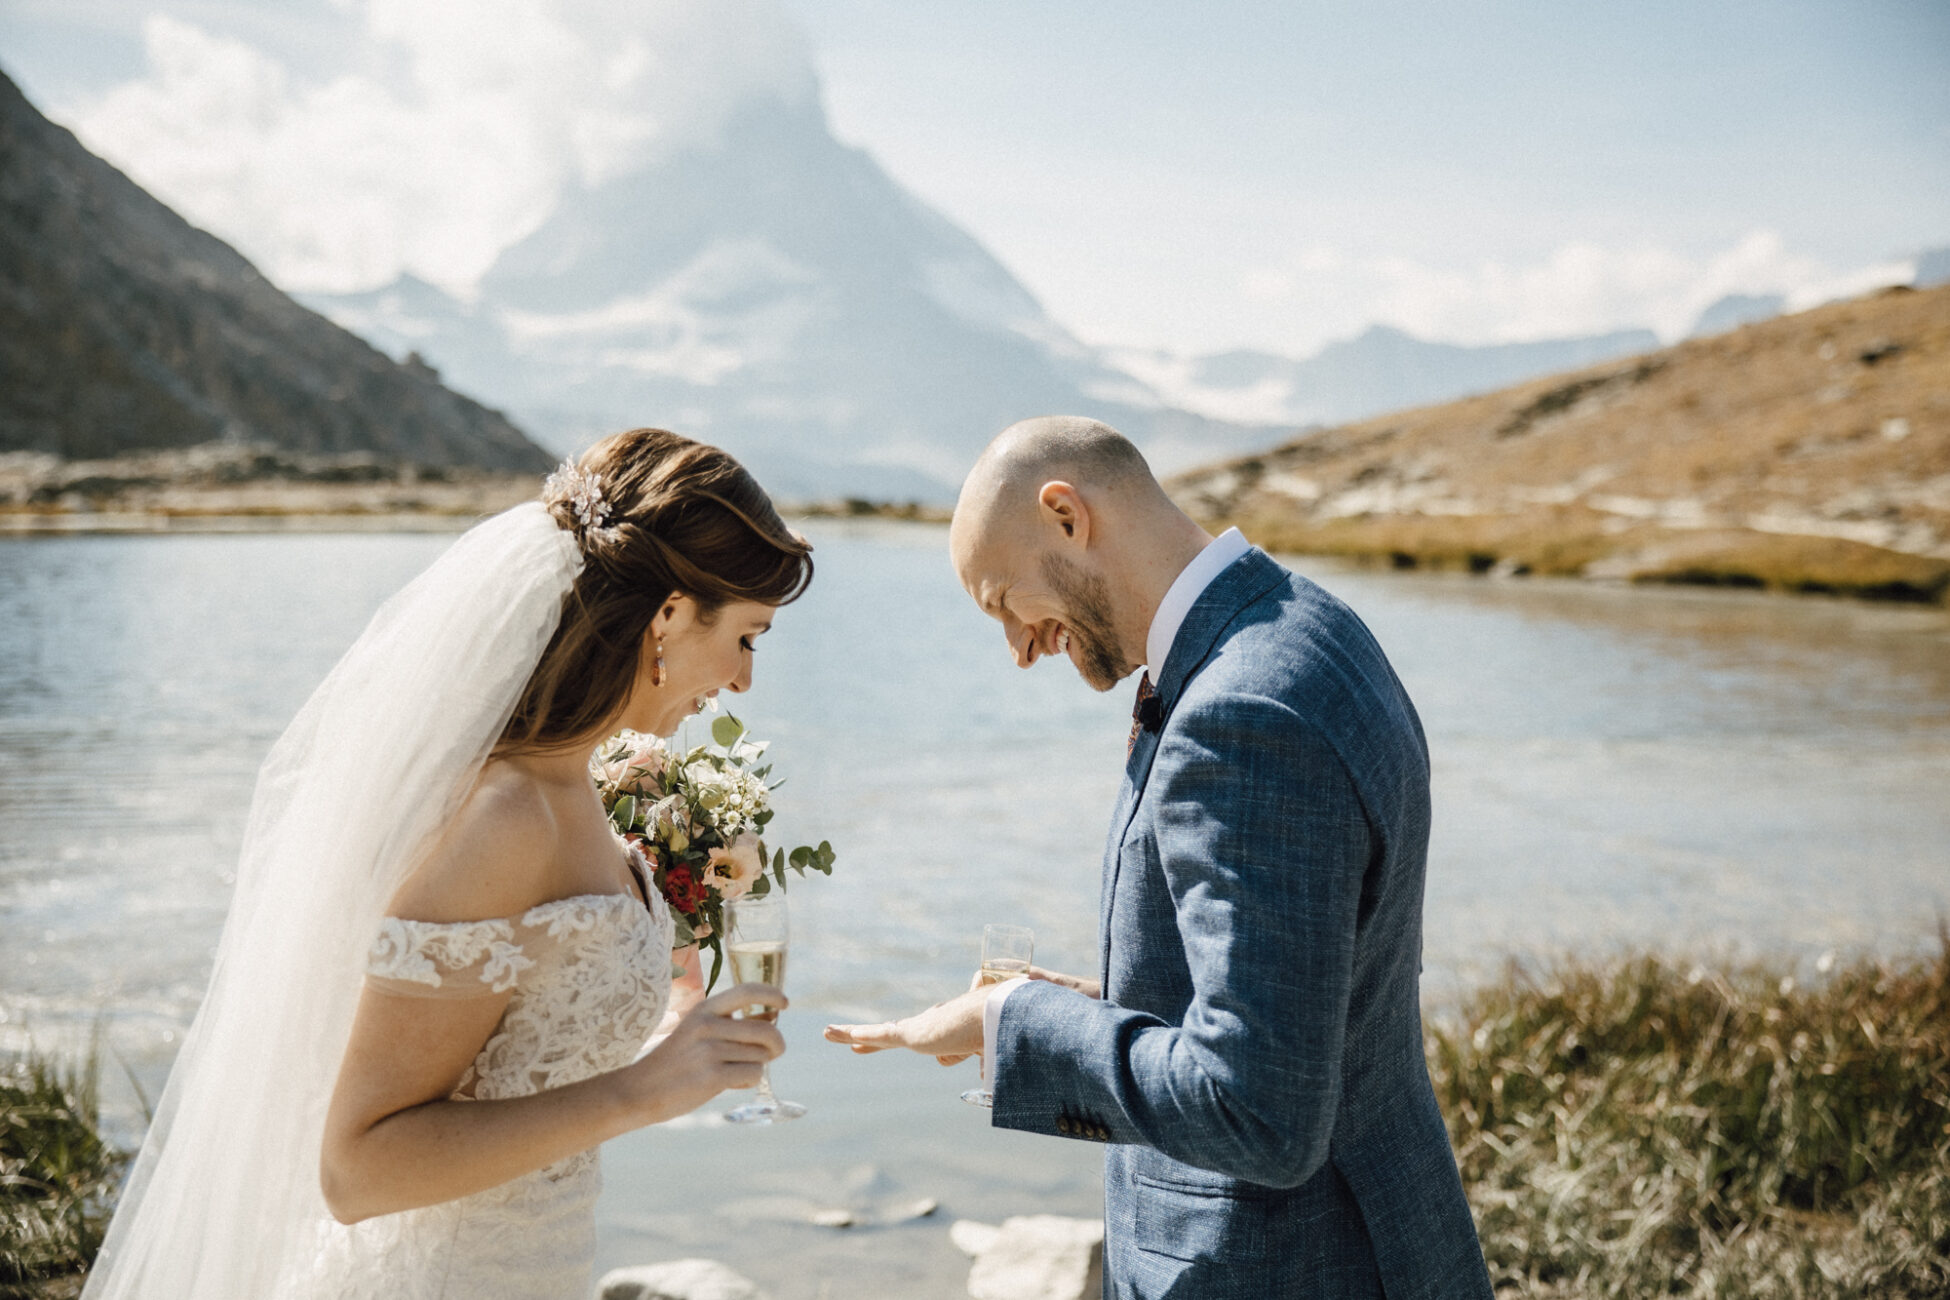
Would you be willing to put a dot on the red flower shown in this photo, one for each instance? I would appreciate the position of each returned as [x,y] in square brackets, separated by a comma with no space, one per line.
[683,890]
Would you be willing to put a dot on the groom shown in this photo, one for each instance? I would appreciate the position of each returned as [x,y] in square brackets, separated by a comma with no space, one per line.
[1252,1048]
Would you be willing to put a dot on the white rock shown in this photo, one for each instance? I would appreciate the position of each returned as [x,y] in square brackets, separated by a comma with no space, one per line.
[833,1218]
[908,1211]
[1034,1257]
[972,1238]
[678,1279]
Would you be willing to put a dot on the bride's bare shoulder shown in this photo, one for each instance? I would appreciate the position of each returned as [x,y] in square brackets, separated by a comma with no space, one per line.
[494,857]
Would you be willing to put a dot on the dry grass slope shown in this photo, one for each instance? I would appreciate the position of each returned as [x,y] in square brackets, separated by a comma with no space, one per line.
[1806,453]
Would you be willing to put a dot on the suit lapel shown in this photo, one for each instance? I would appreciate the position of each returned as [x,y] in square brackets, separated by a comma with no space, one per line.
[1240,583]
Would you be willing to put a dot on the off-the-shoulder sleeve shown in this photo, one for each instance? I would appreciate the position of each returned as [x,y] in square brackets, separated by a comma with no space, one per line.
[458,959]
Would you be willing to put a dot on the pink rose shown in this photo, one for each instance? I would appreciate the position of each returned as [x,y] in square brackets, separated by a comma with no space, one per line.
[650,760]
[733,868]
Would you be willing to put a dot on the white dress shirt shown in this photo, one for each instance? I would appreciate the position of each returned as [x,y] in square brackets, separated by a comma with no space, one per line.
[1191,582]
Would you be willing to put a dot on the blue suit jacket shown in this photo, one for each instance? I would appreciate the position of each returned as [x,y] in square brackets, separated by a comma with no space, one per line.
[1256,1059]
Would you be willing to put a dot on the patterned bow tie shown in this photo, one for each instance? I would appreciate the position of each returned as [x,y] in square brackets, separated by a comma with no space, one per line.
[1148,712]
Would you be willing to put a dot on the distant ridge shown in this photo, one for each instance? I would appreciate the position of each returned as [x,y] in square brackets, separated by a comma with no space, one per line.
[125,329]
[1380,369]
[1809,452]
[1735,310]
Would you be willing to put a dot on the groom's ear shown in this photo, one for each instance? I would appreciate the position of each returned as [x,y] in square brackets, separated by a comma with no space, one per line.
[1062,506]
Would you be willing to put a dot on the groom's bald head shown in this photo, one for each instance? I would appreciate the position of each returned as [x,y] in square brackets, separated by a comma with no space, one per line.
[1062,534]
[1001,491]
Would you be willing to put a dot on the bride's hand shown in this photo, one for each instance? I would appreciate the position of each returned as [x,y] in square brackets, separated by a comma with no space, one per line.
[1075,983]
[707,1053]
[686,990]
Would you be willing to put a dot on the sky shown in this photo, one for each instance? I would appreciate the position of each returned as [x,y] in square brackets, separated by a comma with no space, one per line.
[1262,174]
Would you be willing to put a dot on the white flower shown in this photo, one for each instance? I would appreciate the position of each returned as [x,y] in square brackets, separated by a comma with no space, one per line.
[732,869]
[583,492]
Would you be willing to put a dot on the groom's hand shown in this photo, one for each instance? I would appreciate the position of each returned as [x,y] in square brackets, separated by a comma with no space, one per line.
[952,1029]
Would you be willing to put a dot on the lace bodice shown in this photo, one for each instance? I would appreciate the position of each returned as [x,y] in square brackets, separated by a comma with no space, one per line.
[589,978]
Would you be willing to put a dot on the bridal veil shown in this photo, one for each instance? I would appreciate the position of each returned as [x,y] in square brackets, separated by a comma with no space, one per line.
[223,1201]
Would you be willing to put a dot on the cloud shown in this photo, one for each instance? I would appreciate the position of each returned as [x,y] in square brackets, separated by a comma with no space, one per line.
[1580,288]
[461,124]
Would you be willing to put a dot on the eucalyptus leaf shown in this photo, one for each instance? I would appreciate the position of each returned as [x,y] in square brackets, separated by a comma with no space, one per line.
[624,814]
[760,888]
[726,730]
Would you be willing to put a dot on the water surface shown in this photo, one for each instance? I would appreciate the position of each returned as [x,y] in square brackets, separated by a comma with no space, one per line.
[1703,773]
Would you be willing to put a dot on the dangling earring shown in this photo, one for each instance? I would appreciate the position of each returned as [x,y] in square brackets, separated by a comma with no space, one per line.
[657,672]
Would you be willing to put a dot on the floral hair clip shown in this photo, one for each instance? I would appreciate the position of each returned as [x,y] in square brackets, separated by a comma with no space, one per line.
[582,491]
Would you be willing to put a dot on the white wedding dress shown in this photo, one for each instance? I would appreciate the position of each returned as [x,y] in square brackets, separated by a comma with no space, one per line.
[591,979]
[223,1201]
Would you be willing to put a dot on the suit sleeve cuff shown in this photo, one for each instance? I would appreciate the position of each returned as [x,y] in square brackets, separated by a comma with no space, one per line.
[991,1021]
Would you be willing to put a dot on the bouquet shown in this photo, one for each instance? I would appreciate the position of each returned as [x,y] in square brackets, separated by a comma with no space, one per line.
[696,816]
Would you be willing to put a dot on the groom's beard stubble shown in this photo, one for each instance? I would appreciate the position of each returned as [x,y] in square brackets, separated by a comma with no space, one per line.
[1086,598]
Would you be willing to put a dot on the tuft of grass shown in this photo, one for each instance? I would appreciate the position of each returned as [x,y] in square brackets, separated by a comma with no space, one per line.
[58,1177]
[1646,1129]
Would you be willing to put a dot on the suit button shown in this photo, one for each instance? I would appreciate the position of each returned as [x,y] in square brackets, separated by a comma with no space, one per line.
[1063,1125]
[1103,1134]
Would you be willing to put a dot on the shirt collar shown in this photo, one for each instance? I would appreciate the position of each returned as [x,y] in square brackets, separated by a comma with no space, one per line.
[1184,592]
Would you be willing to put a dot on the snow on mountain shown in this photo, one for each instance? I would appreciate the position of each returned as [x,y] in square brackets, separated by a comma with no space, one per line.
[776,292]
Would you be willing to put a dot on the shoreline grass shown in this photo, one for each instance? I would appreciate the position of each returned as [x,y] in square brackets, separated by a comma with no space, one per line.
[1643,1128]
[58,1177]
[1572,542]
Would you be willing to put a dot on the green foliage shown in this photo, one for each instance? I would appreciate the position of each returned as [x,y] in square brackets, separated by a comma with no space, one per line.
[57,1176]
[1641,1129]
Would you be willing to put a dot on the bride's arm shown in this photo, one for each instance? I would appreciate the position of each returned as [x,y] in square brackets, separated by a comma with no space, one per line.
[393,1140]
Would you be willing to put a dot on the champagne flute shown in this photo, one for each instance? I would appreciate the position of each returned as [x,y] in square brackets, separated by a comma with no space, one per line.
[756,938]
[1006,952]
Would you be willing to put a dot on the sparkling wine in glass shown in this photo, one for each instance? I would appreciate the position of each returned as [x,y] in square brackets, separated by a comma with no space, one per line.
[756,939]
[1006,953]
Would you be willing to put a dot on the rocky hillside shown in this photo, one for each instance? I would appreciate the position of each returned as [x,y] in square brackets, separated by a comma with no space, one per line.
[1808,452]
[124,329]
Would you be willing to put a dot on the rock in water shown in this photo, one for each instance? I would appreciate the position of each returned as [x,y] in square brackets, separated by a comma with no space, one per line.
[678,1279]
[1034,1257]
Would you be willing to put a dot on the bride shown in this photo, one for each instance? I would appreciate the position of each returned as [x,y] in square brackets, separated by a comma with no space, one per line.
[440,966]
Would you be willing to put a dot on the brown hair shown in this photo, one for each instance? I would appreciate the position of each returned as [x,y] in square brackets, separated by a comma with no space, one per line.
[683,517]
